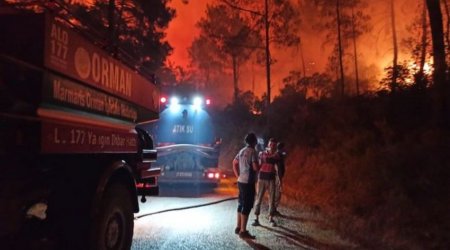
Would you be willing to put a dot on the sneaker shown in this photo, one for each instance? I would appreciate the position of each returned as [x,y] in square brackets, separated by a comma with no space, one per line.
[237,230]
[256,223]
[246,235]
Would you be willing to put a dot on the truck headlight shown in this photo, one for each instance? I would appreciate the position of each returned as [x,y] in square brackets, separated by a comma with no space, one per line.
[197,102]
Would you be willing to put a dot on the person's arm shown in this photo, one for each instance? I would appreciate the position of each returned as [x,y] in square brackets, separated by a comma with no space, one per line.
[273,158]
[236,167]
[255,164]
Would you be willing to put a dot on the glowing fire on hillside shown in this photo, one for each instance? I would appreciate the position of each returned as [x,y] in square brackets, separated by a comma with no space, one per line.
[414,68]
[409,68]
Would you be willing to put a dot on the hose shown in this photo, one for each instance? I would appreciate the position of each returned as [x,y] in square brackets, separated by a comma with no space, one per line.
[184,208]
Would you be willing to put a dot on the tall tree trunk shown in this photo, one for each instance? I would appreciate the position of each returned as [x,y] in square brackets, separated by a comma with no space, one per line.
[267,25]
[302,57]
[207,78]
[441,89]
[235,78]
[437,35]
[340,49]
[447,32]
[355,53]
[424,38]
[253,77]
[395,46]
[337,70]
[420,76]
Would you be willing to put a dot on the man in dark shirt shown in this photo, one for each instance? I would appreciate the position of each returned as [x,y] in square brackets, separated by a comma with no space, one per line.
[266,181]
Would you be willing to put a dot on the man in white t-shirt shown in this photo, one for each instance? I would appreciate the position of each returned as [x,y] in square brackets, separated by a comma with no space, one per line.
[245,167]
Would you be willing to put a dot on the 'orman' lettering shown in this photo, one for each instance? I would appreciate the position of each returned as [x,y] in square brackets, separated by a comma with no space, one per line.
[103,71]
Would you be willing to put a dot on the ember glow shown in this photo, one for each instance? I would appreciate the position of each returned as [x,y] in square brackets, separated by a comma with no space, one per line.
[414,68]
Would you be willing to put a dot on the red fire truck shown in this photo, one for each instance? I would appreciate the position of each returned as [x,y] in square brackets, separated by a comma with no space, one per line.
[71,150]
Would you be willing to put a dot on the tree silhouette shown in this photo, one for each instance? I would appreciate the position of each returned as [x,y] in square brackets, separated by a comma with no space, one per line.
[206,58]
[276,21]
[226,39]
[419,44]
[137,27]
[344,21]
[442,102]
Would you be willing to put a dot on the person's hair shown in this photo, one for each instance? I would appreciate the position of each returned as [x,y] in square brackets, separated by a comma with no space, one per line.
[280,145]
[273,140]
[250,139]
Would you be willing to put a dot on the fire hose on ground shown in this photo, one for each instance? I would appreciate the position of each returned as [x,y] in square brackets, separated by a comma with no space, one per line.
[187,207]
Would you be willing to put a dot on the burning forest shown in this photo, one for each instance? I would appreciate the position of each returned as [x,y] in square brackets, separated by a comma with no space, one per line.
[357,90]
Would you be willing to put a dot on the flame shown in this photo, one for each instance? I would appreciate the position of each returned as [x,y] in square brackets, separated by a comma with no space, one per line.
[413,68]
[428,68]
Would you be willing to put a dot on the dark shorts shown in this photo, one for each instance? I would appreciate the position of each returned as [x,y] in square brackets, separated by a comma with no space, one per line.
[246,197]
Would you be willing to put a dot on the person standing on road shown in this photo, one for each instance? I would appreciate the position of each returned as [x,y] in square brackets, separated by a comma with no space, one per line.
[245,167]
[266,181]
[280,167]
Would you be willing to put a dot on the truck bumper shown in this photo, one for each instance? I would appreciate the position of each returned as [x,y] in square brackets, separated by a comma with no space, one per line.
[16,198]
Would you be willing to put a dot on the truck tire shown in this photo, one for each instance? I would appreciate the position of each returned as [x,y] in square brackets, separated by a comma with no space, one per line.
[114,224]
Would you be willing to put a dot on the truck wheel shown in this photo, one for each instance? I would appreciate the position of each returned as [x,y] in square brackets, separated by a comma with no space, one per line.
[114,224]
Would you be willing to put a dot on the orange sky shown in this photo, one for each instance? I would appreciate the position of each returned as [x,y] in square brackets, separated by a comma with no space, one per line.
[182,29]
